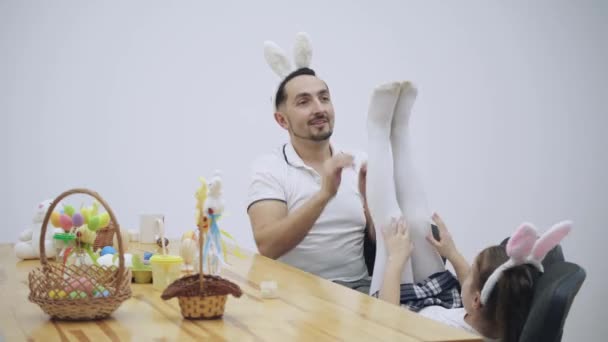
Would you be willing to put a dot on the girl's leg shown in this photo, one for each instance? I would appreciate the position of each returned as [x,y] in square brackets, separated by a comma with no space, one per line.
[410,191]
[381,196]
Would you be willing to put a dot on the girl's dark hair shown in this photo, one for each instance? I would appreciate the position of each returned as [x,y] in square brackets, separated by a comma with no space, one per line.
[509,302]
[280,96]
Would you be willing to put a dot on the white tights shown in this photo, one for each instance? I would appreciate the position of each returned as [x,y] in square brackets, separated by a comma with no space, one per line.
[393,189]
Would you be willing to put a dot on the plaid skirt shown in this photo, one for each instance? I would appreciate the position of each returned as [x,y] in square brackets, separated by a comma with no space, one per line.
[441,288]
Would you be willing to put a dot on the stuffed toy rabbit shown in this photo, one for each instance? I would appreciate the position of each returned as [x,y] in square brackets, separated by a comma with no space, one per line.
[28,246]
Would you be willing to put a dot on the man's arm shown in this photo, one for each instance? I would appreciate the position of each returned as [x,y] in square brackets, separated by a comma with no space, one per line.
[369,225]
[276,231]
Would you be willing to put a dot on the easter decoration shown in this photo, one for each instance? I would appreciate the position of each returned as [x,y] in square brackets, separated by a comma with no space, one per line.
[214,254]
[214,249]
[204,296]
[142,273]
[112,260]
[79,290]
[81,233]
[188,250]
[27,247]
[166,268]
[105,226]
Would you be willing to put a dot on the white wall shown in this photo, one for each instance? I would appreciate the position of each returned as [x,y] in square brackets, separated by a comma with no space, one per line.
[138,99]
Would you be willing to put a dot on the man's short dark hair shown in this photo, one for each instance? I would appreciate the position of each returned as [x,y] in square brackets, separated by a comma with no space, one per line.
[280,95]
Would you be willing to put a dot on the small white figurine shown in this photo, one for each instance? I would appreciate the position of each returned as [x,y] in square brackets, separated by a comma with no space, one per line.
[28,246]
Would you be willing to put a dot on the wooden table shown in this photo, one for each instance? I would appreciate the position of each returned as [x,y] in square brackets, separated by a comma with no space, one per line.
[308,309]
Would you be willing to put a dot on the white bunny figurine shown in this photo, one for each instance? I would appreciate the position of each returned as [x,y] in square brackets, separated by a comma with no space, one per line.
[28,246]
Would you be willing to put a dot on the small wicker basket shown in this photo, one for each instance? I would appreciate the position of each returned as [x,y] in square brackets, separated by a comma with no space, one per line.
[202,296]
[52,284]
[105,236]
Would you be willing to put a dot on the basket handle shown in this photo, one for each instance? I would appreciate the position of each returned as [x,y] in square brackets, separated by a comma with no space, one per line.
[47,217]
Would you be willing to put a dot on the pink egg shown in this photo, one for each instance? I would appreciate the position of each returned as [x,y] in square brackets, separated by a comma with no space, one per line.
[65,221]
[81,284]
[77,220]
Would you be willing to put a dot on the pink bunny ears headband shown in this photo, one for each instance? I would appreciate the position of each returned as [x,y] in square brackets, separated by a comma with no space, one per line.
[526,247]
[279,62]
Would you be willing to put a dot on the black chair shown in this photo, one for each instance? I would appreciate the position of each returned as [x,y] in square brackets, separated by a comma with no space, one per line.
[554,293]
[369,252]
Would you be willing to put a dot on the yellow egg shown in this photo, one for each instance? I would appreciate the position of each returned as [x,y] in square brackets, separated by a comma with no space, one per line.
[94,208]
[189,235]
[85,212]
[55,219]
[57,294]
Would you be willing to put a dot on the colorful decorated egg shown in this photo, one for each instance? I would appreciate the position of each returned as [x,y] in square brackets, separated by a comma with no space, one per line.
[57,294]
[77,220]
[107,250]
[94,223]
[77,295]
[104,220]
[68,210]
[65,222]
[55,219]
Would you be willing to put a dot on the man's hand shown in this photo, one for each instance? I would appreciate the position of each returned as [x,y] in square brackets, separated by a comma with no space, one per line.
[445,246]
[331,174]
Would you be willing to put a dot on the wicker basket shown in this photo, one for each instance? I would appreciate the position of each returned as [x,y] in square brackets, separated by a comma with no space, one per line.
[203,307]
[52,284]
[105,236]
[202,296]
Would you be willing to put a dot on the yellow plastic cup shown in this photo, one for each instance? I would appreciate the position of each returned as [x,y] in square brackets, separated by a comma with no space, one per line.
[142,276]
[165,270]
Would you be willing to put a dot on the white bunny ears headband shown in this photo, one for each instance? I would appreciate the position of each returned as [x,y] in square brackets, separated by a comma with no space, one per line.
[279,62]
[526,247]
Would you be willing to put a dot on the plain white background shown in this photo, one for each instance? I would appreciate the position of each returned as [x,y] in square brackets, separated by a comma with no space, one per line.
[137,99]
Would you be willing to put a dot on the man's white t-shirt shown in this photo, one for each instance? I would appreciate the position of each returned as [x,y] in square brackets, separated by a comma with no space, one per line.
[333,248]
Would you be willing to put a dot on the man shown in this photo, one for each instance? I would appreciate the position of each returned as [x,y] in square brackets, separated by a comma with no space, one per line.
[307,199]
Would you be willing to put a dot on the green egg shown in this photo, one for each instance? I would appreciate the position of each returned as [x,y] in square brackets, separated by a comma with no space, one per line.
[94,223]
[69,210]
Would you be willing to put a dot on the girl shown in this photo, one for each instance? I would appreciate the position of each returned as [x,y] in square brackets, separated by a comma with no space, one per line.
[497,289]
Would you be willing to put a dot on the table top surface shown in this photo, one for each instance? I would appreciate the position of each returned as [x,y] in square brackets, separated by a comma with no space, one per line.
[308,308]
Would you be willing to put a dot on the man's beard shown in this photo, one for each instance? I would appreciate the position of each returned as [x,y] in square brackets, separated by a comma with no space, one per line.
[312,136]
[315,137]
